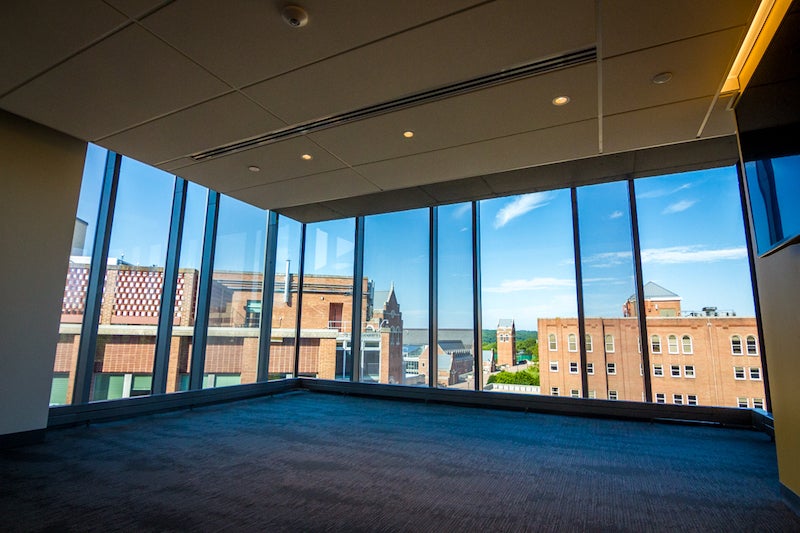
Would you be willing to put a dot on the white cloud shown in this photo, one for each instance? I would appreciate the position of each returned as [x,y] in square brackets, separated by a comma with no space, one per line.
[608,259]
[658,193]
[519,207]
[462,210]
[677,207]
[615,214]
[533,284]
[674,255]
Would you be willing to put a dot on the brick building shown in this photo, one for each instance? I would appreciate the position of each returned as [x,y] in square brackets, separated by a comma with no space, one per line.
[695,358]
[506,342]
[124,357]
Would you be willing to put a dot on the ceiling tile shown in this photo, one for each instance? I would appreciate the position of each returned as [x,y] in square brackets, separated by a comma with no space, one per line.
[311,213]
[698,67]
[526,149]
[136,8]
[126,79]
[307,189]
[458,190]
[498,111]
[480,41]
[186,132]
[654,126]
[628,25]
[278,161]
[245,41]
[382,202]
[38,35]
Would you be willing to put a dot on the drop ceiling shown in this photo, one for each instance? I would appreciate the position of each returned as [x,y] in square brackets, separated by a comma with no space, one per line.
[164,81]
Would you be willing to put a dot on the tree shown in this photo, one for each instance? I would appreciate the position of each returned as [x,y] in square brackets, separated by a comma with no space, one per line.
[529,376]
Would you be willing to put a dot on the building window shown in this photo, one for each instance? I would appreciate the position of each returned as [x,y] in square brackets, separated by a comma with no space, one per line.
[552,344]
[691,399]
[575,393]
[658,371]
[589,346]
[675,371]
[610,343]
[612,395]
[553,391]
[741,402]
[611,368]
[677,399]
[572,342]
[686,342]
[590,368]
[752,347]
[592,394]
[672,343]
[738,372]
[573,367]
[755,373]
[758,403]
[655,344]
[660,398]
[553,366]
[688,371]
[736,345]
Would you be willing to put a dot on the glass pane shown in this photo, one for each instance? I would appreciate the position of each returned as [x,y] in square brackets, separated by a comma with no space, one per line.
[528,289]
[285,301]
[134,279]
[327,304]
[697,286]
[608,284]
[774,187]
[78,276]
[456,360]
[186,290]
[396,275]
[236,286]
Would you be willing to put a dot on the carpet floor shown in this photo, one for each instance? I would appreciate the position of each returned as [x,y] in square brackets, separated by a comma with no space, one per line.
[305,461]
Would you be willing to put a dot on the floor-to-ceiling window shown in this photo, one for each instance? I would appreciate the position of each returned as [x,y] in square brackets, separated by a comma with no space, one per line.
[285,300]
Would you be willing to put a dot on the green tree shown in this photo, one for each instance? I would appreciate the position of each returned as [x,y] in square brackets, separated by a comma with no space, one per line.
[529,376]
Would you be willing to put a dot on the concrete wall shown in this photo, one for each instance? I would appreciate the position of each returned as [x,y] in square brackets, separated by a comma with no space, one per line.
[779,291]
[40,174]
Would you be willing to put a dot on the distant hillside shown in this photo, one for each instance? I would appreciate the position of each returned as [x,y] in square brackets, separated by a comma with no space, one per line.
[490,335]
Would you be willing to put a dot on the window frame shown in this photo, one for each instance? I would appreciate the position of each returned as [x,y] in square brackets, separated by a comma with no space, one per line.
[655,343]
[552,342]
[689,371]
[553,366]
[736,340]
[739,371]
[672,344]
[690,351]
[572,343]
[606,340]
[611,369]
[658,370]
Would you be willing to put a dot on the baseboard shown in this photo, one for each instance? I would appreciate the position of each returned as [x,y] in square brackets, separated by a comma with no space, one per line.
[22,438]
[791,499]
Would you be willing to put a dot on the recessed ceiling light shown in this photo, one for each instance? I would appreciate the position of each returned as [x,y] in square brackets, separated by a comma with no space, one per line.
[253,168]
[662,78]
[561,100]
[408,134]
[306,157]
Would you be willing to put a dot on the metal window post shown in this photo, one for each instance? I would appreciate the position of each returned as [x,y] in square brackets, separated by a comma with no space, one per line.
[640,305]
[267,297]
[476,296]
[433,296]
[576,238]
[358,290]
[300,282]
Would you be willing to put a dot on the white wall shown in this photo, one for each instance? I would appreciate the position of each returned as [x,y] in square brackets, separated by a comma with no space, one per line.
[40,177]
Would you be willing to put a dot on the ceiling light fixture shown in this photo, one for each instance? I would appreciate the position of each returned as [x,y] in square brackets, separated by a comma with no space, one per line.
[662,77]
[561,100]
[253,168]
[306,157]
[408,134]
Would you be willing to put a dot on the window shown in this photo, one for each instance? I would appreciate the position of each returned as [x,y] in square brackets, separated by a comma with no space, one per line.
[575,393]
[573,367]
[552,344]
[677,399]
[688,371]
[611,368]
[590,368]
[553,391]
[658,371]
[660,398]
[755,373]
[675,371]
[610,343]
[752,347]
[738,372]
[758,403]
[686,342]
[592,394]
[741,402]
[612,395]
[691,399]
[572,342]
[672,343]
[588,343]
[553,366]
[655,344]
[736,345]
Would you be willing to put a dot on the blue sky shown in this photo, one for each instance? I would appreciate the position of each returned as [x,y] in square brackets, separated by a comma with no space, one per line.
[690,226]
